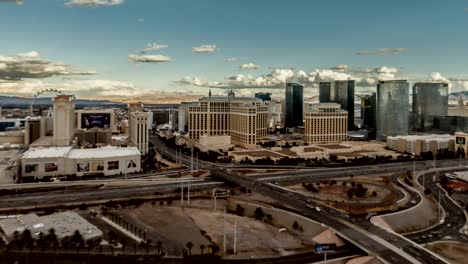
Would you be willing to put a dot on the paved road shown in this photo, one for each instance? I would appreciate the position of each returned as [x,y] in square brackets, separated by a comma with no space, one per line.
[87,195]
[387,246]
[454,220]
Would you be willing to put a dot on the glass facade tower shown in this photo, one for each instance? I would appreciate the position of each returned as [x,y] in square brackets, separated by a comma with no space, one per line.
[340,92]
[294,105]
[430,99]
[392,108]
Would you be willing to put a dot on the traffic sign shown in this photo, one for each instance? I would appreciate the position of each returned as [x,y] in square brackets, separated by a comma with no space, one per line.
[219,193]
[325,247]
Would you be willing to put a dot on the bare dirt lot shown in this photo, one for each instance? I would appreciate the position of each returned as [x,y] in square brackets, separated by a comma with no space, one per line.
[175,227]
[336,195]
[454,252]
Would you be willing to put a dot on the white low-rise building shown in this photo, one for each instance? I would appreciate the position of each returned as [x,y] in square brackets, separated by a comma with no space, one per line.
[64,224]
[65,161]
[416,144]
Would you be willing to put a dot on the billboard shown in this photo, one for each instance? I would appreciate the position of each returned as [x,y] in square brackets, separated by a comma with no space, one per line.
[113,165]
[82,167]
[97,166]
[324,247]
[49,167]
[460,140]
[100,120]
[31,168]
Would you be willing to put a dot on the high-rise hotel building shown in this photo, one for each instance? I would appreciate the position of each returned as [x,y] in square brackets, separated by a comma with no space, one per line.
[138,133]
[325,122]
[392,108]
[340,92]
[244,119]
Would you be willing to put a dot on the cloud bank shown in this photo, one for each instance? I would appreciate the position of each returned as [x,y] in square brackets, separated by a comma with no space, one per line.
[93,3]
[30,65]
[204,49]
[250,66]
[382,51]
[146,58]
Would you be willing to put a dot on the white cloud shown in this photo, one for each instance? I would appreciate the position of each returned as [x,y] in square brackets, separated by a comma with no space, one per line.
[204,49]
[29,65]
[250,66]
[93,3]
[437,77]
[154,46]
[18,2]
[382,51]
[277,78]
[149,58]
[77,87]
[341,67]
[31,54]
[455,84]
[232,59]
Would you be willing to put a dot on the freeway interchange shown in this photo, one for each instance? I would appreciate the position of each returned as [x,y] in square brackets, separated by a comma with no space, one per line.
[389,247]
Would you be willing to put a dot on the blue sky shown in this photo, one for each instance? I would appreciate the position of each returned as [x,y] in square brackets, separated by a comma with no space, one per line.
[426,36]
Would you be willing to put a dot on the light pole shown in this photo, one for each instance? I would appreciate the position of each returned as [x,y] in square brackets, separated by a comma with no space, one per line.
[182,193]
[224,230]
[235,235]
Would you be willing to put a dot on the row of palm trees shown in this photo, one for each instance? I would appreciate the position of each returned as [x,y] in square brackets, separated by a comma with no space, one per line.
[26,239]
[186,252]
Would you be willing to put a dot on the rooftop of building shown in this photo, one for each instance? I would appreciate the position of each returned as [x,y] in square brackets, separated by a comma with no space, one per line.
[64,224]
[430,83]
[103,152]
[423,137]
[229,98]
[64,98]
[47,152]
[88,153]
[393,81]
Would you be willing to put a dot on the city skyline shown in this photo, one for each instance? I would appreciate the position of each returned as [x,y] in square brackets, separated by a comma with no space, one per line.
[116,49]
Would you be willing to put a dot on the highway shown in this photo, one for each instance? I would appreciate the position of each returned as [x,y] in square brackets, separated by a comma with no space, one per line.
[388,247]
[101,194]
[453,222]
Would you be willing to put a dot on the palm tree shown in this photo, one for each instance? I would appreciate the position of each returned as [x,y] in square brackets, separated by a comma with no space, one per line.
[159,246]
[189,246]
[51,237]
[202,248]
[26,238]
[148,244]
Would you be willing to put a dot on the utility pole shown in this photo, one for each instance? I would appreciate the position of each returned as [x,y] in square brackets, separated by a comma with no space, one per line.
[182,194]
[235,235]
[439,208]
[435,162]
[188,192]
[191,161]
[224,230]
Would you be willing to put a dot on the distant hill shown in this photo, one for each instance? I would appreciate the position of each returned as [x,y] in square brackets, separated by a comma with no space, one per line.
[20,102]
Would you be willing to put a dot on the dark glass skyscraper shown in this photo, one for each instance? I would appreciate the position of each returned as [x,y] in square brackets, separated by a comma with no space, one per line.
[294,105]
[392,108]
[324,92]
[263,96]
[368,111]
[341,92]
[430,99]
